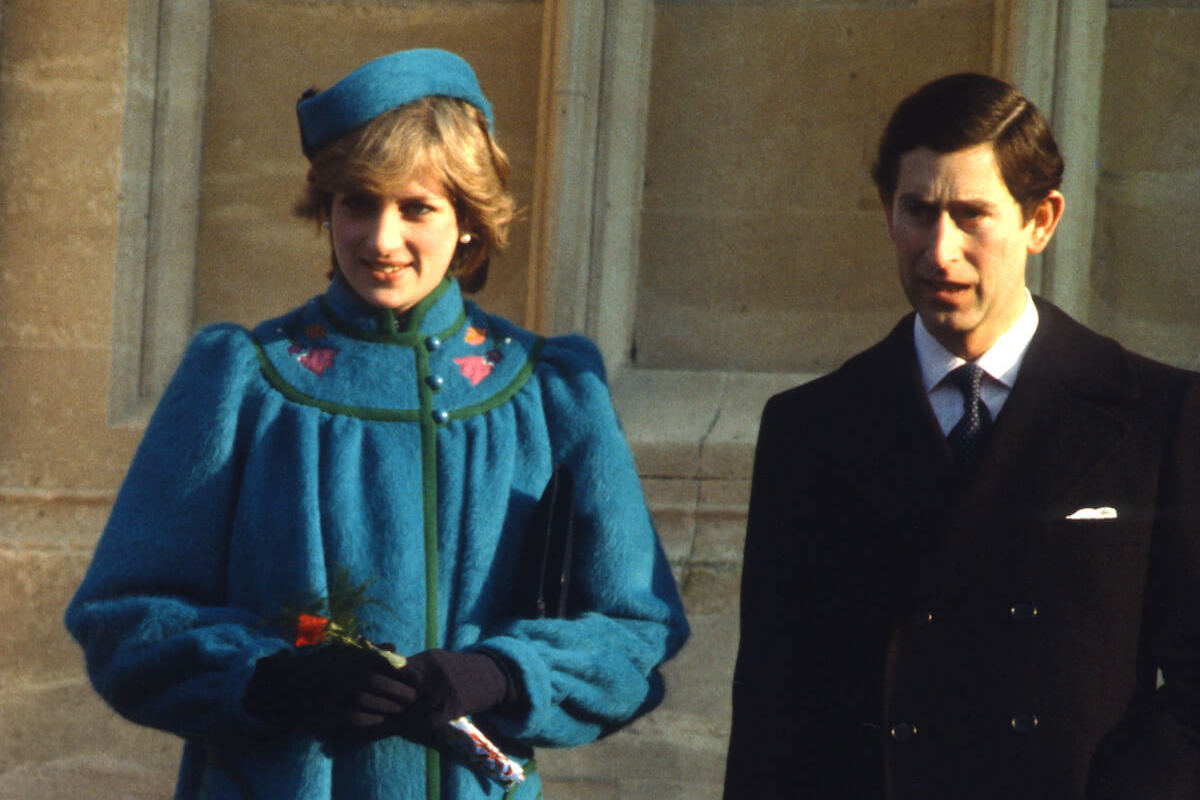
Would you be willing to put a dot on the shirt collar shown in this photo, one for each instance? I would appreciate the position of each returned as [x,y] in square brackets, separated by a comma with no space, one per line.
[1002,361]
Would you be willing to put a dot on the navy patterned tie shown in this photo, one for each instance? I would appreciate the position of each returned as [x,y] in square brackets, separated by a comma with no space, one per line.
[967,436]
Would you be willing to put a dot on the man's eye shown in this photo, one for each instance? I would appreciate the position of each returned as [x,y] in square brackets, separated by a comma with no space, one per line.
[922,212]
[969,215]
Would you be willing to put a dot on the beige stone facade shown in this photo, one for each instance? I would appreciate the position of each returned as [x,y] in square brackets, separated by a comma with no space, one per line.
[694,178]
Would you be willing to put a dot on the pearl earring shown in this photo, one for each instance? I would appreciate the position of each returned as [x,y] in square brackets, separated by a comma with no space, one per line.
[464,239]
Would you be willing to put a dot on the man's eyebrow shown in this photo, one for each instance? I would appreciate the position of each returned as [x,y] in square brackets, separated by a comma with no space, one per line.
[916,198]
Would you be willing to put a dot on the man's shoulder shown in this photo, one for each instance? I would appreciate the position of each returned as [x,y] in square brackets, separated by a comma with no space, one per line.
[861,378]
[1092,363]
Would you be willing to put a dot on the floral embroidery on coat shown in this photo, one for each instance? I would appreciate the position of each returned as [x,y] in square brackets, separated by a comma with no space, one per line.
[475,335]
[314,359]
[474,368]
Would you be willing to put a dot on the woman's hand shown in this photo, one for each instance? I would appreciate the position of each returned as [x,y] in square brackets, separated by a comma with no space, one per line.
[334,690]
[448,685]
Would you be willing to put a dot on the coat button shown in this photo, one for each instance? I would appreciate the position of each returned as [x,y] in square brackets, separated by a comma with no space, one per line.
[1023,723]
[1022,612]
[432,343]
[440,416]
[921,619]
[435,382]
[902,732]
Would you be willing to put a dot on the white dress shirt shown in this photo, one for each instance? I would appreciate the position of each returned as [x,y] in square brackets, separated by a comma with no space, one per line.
[1000,365]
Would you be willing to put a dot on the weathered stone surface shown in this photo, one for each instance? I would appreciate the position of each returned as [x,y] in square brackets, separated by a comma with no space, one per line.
[53,731]
[93,777]
[1145,289]
[769,250]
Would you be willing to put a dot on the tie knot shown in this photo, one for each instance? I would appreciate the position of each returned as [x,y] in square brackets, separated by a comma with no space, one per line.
[968,378]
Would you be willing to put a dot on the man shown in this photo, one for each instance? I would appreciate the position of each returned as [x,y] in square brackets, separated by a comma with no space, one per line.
[965,583]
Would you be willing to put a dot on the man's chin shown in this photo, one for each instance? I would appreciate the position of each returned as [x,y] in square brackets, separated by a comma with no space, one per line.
[949,323]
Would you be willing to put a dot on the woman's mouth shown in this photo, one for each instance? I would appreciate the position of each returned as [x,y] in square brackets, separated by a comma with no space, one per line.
[386,272]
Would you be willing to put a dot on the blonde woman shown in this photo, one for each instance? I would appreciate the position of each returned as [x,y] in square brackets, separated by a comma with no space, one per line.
[373,460]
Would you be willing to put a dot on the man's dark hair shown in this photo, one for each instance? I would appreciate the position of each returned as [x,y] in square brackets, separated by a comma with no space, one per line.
[968,109]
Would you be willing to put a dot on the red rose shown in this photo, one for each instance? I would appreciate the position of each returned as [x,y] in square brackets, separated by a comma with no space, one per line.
[310,630]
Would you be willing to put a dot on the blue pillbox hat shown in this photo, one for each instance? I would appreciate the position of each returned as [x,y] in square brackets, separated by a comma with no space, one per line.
[381,85]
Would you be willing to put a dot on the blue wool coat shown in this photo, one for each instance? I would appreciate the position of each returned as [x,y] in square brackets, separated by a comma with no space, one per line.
[329,443]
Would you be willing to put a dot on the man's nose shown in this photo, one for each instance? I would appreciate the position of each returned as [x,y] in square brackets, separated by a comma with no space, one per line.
[946,241]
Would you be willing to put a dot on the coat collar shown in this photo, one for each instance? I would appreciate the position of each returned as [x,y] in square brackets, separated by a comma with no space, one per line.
[1055,426]
[438,311]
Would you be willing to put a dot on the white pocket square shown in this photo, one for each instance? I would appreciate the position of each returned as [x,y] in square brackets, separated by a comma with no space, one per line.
[1106,512]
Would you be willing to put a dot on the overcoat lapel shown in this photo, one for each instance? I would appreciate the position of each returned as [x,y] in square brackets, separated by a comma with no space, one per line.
[892,452]
[1054,427]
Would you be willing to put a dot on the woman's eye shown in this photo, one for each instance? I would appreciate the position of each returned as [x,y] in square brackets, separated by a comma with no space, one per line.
[358,203]
[415,208]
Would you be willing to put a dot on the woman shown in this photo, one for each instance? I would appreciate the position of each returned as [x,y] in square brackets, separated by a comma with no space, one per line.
[373,458]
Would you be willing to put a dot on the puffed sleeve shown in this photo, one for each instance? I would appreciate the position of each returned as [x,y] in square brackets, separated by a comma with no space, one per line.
[160,643]
[597,669]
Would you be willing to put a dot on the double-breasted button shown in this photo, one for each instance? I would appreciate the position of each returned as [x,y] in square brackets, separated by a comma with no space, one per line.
[433,343]
[902,732]
[440,416]
[435,382]
[1022,612]
[1023,723]
[921,619]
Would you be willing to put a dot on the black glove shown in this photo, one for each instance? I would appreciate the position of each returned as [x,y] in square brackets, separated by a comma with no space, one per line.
[448,685]
[333,690]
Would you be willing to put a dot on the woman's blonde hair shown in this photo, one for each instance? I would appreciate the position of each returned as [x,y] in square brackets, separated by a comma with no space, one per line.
[437,137]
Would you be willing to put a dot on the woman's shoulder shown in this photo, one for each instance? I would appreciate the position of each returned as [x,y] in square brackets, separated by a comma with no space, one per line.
[561,354]
[221,342]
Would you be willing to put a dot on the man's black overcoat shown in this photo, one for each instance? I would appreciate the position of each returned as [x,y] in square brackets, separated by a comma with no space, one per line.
[908,632]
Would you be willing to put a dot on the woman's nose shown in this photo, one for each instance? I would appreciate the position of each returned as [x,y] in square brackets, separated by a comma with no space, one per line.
[390,230]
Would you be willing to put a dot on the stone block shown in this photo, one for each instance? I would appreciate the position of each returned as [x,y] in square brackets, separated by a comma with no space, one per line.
[55,38]
[1150,106]
[1140,273]
[65,524]
[698,679]
[34,646]
[666,416]
[56,397]
[580,788]
[709,589]
[673,507]
[762,127]
[771,98]
[94,777]
[720,536]
[63,728]
[656,789]
[726,494]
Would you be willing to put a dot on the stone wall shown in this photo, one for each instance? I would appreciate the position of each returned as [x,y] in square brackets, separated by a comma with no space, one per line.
[1146,275]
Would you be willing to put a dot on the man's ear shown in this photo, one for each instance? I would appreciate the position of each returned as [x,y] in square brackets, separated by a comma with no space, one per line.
[1044,220]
